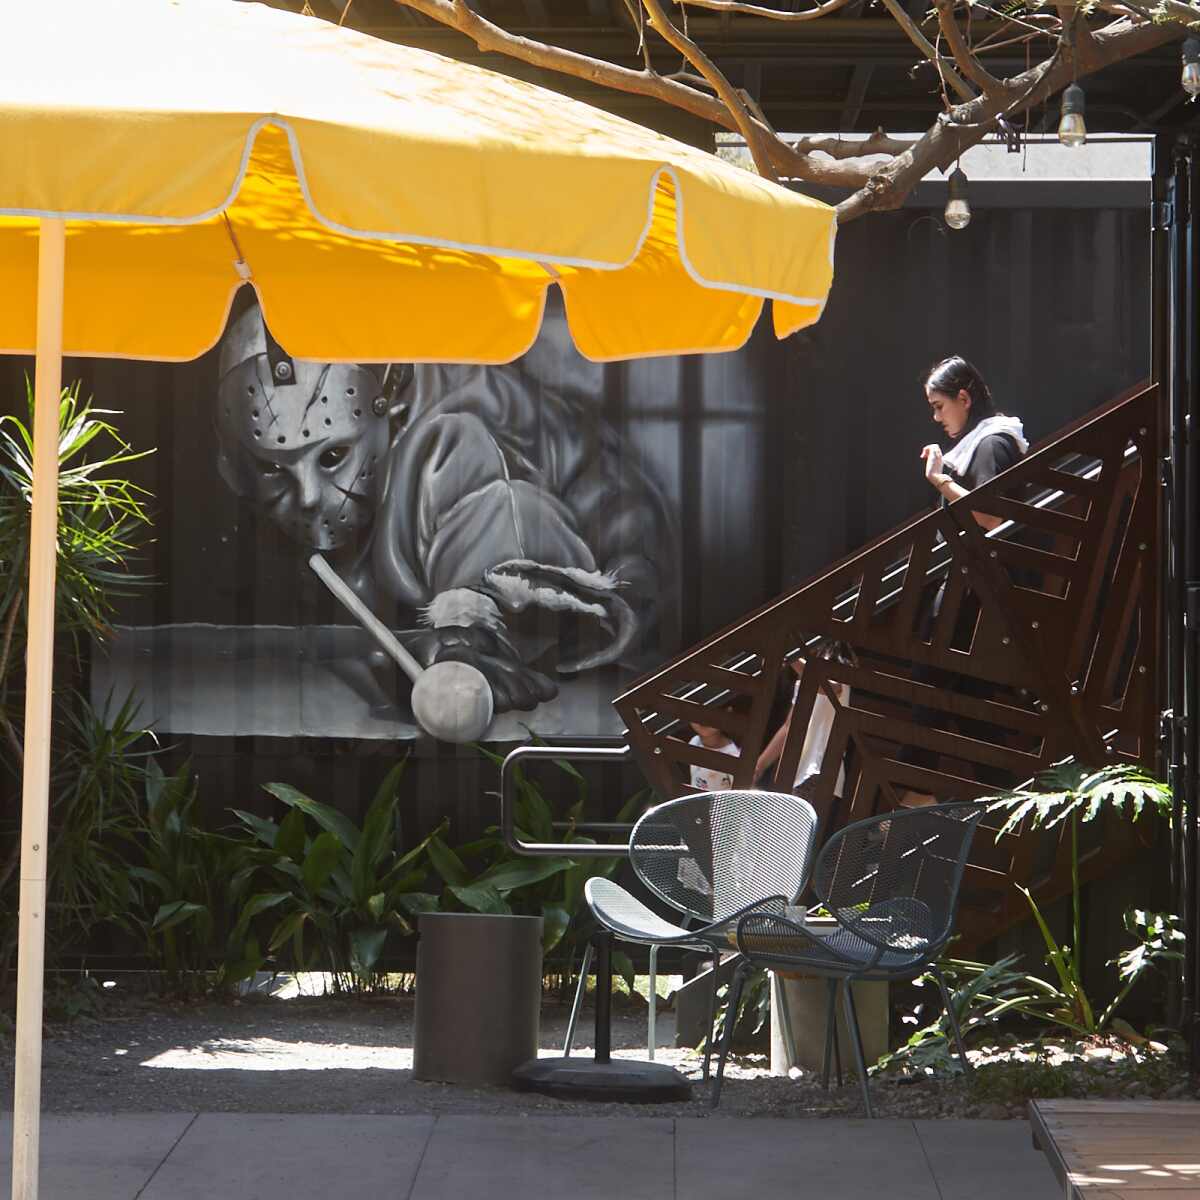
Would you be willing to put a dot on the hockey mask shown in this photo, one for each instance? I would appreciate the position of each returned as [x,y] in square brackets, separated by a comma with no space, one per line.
[307,442]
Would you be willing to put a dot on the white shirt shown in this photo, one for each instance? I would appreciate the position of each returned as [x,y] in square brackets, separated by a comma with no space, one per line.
[820,725]
[705,779]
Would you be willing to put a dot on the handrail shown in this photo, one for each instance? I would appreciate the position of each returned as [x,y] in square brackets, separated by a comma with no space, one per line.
[508,827]
[939,560]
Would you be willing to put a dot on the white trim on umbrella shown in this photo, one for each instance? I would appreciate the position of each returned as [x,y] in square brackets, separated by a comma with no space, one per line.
[373,235]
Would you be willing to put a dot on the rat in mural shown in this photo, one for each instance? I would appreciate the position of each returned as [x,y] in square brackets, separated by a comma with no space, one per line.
[464,498]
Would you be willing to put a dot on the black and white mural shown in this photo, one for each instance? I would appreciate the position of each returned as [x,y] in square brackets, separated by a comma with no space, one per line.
[461,551]
[482,519]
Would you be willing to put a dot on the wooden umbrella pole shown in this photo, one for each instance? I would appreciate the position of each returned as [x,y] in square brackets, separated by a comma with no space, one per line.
[39,682]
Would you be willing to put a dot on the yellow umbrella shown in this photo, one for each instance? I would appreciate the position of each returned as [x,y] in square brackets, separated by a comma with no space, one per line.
[387,204]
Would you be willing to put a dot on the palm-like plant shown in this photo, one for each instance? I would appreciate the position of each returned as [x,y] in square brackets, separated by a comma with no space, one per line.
[102,518]
[1069,795]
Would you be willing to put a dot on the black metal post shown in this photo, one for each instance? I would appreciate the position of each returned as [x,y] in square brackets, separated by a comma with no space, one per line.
[1186,317]
[603,942]
[1177,276]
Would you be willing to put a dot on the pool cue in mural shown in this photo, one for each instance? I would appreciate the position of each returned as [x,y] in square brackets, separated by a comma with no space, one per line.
[452,701]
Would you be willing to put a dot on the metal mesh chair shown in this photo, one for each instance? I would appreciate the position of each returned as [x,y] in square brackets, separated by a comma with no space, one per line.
[711,857]
[891,883]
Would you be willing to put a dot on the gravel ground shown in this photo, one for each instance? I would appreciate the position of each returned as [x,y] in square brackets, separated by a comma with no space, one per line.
[337,1055]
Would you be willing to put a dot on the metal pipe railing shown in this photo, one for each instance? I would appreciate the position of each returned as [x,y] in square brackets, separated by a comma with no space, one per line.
[508,825]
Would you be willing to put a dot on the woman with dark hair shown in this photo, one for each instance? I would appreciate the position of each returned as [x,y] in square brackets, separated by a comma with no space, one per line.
[986,442]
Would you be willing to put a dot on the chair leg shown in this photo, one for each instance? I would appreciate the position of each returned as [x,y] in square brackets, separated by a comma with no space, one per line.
[712,1013]
[735,996]
[856,1042]
[830,1033]
[952,1017]
[651,1031]
[579,990]
[837,1046]
[780,1004]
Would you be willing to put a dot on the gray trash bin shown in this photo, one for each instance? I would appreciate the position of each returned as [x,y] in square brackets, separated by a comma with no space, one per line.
[479,995]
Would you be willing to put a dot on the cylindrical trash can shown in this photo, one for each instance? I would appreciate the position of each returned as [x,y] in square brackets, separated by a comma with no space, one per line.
[479,995]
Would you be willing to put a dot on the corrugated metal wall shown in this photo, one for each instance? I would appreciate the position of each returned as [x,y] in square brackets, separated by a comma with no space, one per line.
[777,459]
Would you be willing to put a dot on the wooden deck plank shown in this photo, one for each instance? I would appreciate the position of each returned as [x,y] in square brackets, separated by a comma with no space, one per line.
[1120,1149]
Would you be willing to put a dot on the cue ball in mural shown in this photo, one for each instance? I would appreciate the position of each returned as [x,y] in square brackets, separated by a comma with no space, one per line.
[480,527]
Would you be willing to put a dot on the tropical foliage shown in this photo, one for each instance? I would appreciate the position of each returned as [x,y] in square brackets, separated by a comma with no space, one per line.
[336,893]
[1068,796]
[102,522]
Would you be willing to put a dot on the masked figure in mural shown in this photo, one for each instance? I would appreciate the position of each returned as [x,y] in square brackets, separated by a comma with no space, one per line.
[479,503]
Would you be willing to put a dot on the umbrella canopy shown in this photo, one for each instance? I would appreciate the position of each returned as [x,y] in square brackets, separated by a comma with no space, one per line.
[387,203]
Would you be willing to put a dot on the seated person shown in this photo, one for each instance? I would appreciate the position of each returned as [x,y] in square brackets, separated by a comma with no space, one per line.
[706,779]
[819,725]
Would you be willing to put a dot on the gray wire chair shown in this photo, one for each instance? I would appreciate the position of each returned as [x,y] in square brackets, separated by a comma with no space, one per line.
[712,857]
[891,883]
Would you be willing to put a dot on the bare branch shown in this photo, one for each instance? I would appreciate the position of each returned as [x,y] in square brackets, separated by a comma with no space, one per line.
[880,170]
[927,48]
[968,124]
[968,64]
[757,138]
[843,148]
[823,9]
[755,109]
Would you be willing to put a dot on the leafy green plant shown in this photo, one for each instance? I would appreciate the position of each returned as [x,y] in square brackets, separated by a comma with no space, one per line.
[1067,796]
[336,892]
[102,518]
[192,883]
[980,994]
[97,782]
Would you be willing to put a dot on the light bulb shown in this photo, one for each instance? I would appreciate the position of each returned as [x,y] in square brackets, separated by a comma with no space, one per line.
[1190,53]
[958,208]
[958,214]
[1072,130]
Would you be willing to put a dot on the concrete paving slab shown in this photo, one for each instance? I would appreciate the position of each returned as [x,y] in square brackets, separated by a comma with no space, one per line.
[836,1160]
[515,1158]
[96,1157]
[255,1156]
[987,1160]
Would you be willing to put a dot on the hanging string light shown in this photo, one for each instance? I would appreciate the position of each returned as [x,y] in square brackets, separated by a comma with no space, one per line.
[1190,52]
[1072,130]
[958,208]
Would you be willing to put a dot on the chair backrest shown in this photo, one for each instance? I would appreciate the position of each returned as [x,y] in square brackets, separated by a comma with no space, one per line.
[894,879]
[713,854]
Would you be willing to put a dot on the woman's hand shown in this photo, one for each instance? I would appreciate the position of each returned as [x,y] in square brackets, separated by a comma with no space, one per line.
[934,475]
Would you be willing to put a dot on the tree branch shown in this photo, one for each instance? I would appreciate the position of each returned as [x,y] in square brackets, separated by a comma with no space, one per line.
[968,64]
[757,10]
[880,185]
[492,39]
[927,48]
[968,124]
[757,139]
[843,148]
